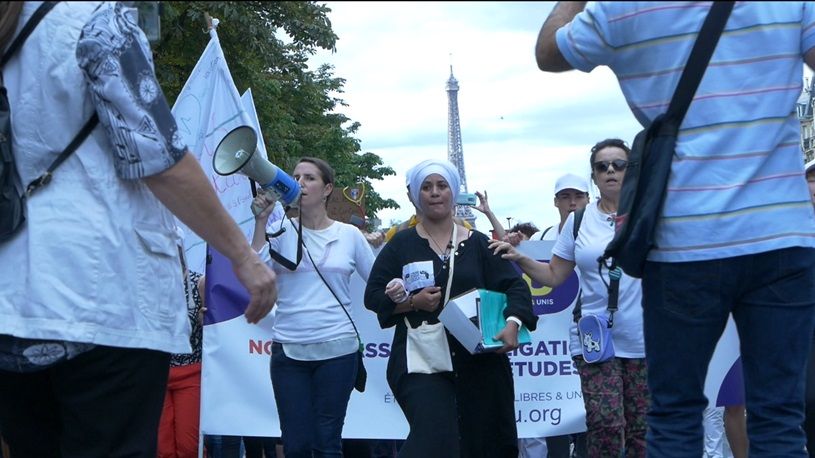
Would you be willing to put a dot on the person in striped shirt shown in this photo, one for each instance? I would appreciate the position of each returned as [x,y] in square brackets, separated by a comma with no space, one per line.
[737,229]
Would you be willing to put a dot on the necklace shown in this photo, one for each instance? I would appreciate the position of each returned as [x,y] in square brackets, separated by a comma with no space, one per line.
[444,254]
[603,209]
[611,215]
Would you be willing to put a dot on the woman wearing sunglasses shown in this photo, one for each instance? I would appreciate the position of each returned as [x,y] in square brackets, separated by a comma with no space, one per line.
[614,391]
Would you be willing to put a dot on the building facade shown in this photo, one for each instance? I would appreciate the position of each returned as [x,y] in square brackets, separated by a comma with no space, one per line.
[805,115]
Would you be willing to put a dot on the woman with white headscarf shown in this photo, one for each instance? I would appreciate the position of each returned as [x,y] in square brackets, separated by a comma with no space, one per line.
[467,408]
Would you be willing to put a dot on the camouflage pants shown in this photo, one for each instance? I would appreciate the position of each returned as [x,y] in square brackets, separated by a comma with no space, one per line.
[615,393]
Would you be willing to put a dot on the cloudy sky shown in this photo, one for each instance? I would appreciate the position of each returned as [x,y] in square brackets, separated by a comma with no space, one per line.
[521,128]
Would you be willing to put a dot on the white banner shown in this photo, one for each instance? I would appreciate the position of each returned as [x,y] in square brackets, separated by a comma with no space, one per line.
[237,397]
[548,398]
[207,108]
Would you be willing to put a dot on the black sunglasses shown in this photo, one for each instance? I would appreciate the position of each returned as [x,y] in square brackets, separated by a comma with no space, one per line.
[602,166]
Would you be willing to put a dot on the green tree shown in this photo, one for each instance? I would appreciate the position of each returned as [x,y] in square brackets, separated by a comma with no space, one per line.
[267,46]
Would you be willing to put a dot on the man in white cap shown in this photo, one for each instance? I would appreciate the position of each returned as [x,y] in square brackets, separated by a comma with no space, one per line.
[571,194]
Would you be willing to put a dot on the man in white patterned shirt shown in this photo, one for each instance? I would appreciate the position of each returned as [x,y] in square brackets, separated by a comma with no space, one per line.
[91,296]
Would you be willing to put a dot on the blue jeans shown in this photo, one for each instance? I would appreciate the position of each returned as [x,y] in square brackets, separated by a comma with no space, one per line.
[223,446]
[685,309]
[312,397]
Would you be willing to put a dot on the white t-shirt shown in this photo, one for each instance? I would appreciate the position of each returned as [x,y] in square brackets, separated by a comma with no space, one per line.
[307,312]
[596,230]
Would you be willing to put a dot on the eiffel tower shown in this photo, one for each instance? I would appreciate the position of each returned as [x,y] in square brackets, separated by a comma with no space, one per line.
[454,151]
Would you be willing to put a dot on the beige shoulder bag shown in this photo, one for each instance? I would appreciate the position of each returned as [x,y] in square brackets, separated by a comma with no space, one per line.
[428,351]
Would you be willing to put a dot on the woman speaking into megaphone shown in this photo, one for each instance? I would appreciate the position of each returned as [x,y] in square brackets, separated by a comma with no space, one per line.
[315,355]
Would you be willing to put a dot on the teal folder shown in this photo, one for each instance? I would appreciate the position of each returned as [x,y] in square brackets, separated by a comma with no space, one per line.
[490,307]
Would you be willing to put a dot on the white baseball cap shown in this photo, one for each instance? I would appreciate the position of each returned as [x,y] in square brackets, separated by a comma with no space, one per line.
[571,181]
[809,166]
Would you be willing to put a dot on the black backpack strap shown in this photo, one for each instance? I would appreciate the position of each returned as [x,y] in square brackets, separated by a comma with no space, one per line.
[615,273]
[578,219]
[699,58]
[578,312]
[80,137]
[29,26]
[545,231]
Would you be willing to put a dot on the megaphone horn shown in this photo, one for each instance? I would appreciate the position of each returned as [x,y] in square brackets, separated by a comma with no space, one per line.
[237,153]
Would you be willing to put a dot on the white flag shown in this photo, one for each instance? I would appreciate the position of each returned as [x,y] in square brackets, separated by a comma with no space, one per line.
[208,108]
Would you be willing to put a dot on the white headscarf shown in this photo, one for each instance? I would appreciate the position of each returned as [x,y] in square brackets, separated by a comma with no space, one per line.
[417,174]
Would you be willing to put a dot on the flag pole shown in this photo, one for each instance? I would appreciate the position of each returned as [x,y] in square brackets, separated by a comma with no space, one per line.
[212,24]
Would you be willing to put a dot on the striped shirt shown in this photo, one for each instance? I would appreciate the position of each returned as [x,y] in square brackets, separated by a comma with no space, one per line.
[737,182]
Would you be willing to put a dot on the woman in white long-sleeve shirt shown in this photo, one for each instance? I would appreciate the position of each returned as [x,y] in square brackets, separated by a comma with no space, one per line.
[314,361]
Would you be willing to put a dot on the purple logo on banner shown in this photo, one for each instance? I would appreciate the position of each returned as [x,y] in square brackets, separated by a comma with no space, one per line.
[731,393]
[546,300]
[226,298]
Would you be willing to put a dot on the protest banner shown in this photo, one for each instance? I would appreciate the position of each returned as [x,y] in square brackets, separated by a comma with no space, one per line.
[237,397]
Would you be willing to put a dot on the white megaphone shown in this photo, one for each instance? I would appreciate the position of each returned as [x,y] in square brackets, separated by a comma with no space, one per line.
[237,153]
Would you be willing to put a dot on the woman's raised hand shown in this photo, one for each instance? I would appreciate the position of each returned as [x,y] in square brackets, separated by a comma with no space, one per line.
[263,204]
[483,204]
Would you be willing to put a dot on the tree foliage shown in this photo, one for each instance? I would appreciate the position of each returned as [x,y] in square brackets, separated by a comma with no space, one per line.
[267,46]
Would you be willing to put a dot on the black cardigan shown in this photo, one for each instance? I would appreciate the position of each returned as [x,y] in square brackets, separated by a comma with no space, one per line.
[476,267]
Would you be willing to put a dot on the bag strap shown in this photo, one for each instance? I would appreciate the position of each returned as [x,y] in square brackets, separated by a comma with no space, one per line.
[545,231]
[578,219]
[279,258]
[699,58]
[80,137]
[577,313]
[702,51]
[614,274]
[29,27]
[453,239]
[697,63]
[613,296]
[359,339]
